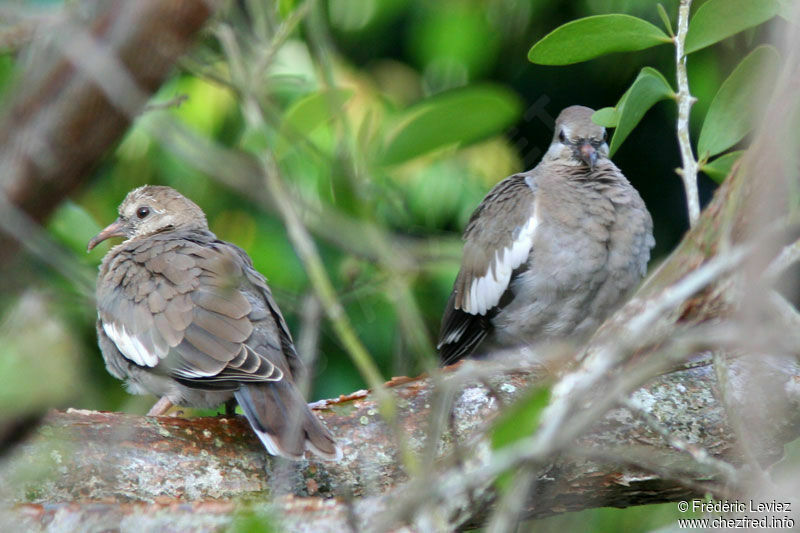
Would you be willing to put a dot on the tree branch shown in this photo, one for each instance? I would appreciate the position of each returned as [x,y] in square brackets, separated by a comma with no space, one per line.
[685,100]
[86,457]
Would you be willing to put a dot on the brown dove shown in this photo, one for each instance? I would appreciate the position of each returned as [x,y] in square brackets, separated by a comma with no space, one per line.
[186,317]
[551,252]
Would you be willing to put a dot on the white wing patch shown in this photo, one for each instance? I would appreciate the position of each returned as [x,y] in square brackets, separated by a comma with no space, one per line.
[191,373]
[129,345]
[485,292]
[454,335]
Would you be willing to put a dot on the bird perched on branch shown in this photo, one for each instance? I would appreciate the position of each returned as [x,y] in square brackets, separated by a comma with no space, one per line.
[549,253]
[185,316]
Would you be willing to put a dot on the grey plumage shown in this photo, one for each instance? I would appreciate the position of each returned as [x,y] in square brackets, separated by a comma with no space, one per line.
[186,316]
[551,252]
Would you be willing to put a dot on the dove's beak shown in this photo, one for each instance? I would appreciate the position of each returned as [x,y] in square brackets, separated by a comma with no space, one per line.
[588,154]
[115,229]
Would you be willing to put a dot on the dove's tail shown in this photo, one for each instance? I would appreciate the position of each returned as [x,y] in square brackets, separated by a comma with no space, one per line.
[283,421]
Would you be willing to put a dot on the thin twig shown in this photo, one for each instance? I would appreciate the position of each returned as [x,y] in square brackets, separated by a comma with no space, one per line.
[786,311]
[635,332]
[540,447]
[737,423]
[676,294]
[685,100]
[510,506]
[302,241]
[16,223]
[395,264]
[14,37]
[307,343]
[175,102]
[789,255]
[645,460]
[724,469]
[284,31]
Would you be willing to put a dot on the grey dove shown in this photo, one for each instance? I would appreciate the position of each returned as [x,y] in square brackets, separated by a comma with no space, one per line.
[551,252]
[186,317]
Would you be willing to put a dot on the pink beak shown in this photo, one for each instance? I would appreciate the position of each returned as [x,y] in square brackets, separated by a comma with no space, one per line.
[115,229]
[588,154]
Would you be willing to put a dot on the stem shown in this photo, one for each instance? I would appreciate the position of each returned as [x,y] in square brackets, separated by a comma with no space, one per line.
[396,265]
[301,239]
[725,470]
[685,100]
[309,256]
[786,258]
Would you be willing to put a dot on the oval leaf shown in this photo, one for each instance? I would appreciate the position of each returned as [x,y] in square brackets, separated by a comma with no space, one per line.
[665,19]
[606,117]
[718,19]
[719,168]
[595,36]
[521,418]
[307,114]
[457,117]
[731,113]
[73,226]
[648,88]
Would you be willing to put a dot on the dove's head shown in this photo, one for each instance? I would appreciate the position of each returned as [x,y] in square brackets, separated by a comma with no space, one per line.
[152,209]
[577,140]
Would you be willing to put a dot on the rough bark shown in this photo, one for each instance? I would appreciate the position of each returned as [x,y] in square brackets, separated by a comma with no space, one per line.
[187,474]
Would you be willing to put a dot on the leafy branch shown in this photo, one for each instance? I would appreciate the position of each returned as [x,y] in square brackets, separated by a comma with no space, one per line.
[730,117]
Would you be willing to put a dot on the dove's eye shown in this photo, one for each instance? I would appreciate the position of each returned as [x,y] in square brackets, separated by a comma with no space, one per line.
[562,137]
[143,212]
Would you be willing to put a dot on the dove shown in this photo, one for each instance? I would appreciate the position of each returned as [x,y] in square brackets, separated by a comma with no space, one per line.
[186,317]
[551,252]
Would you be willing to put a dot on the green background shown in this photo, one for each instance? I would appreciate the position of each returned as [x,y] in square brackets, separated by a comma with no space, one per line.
[434,102]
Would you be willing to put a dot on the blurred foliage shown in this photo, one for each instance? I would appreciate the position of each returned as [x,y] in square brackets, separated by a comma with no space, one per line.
[399,113]
[395,115]
[30,383]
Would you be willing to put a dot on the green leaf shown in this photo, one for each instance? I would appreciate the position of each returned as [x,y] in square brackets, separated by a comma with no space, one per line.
[606,117]
[718,19]
[206,105]
[665,19]
[29,382]
[285,7]
[251,519]
[309,113]
[719,168]
[731,113]
[649,87]
[595,36]
[73,226]
[6,71]
[521,419]
[457,117]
